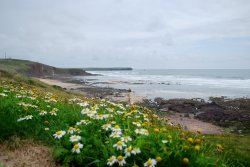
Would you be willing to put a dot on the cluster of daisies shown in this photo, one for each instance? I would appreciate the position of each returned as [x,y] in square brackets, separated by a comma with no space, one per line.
[111,115]
[29,100]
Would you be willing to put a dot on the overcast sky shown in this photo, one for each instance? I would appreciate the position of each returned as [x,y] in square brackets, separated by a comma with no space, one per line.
[136,33]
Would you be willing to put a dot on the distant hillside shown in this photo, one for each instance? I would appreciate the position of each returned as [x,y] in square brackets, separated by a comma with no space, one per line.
[36,69]
[108,69]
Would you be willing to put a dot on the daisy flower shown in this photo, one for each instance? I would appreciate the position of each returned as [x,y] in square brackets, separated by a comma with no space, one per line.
[28,117]
[128,151]
[106,126]
[111,160]
[142,131]
[42,112]
[84,104]
[121,161]
[75,138]
[150,163]
[119,145]
[59,134]
[138,124]
[85,111]
[126,138]
[3,94]
[84,121]
[116,128]
[136,150]
[99,117]
[53,112]
[115,134]
[77,148]
[71,130]
[91,113]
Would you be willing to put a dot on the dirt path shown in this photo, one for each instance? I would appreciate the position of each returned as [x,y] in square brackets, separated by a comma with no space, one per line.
[25,154]
[195,125]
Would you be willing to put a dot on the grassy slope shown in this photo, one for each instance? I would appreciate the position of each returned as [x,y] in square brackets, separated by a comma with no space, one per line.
[236,147]
[14,66]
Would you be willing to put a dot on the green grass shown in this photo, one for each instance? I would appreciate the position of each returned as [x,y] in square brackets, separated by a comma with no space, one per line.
[14,65]
[236,147]
[170,143]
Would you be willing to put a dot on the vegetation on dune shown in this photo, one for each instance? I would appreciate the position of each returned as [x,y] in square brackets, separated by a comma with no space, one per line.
[93,132]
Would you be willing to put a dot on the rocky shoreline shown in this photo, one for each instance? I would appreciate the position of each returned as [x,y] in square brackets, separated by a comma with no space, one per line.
[231,114]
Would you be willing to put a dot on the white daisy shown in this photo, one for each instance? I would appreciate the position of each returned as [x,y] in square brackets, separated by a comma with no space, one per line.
[111,160]
[126,138]
[85,111]
[128,151]
[115,134]
[42,112]
[59,134]
[116,128]
[119,145]
[106,126]
[136,150]
[138,124]
[75,138]
[121,161]
[150,163]
[77,148]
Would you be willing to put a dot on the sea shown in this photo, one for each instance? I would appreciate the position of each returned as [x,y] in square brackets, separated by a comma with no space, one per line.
[176,83]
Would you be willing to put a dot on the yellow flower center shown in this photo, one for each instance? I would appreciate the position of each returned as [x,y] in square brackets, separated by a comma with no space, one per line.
[185,147]
[129,149]
[120,158]
[158,159]
[76,146]
[59,132]
[197,148]
[117,127]
[111,159]
[71,128]
[149,162]
[116,134]
[185,161]
[75,137]
[190,140]
[119,143]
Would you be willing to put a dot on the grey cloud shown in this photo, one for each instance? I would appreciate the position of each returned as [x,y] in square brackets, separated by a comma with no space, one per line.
[124,32]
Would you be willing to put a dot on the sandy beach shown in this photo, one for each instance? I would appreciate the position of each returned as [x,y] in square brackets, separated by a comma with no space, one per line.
[113,95]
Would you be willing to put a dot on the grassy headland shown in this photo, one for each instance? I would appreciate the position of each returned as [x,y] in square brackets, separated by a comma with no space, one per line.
[35,69]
